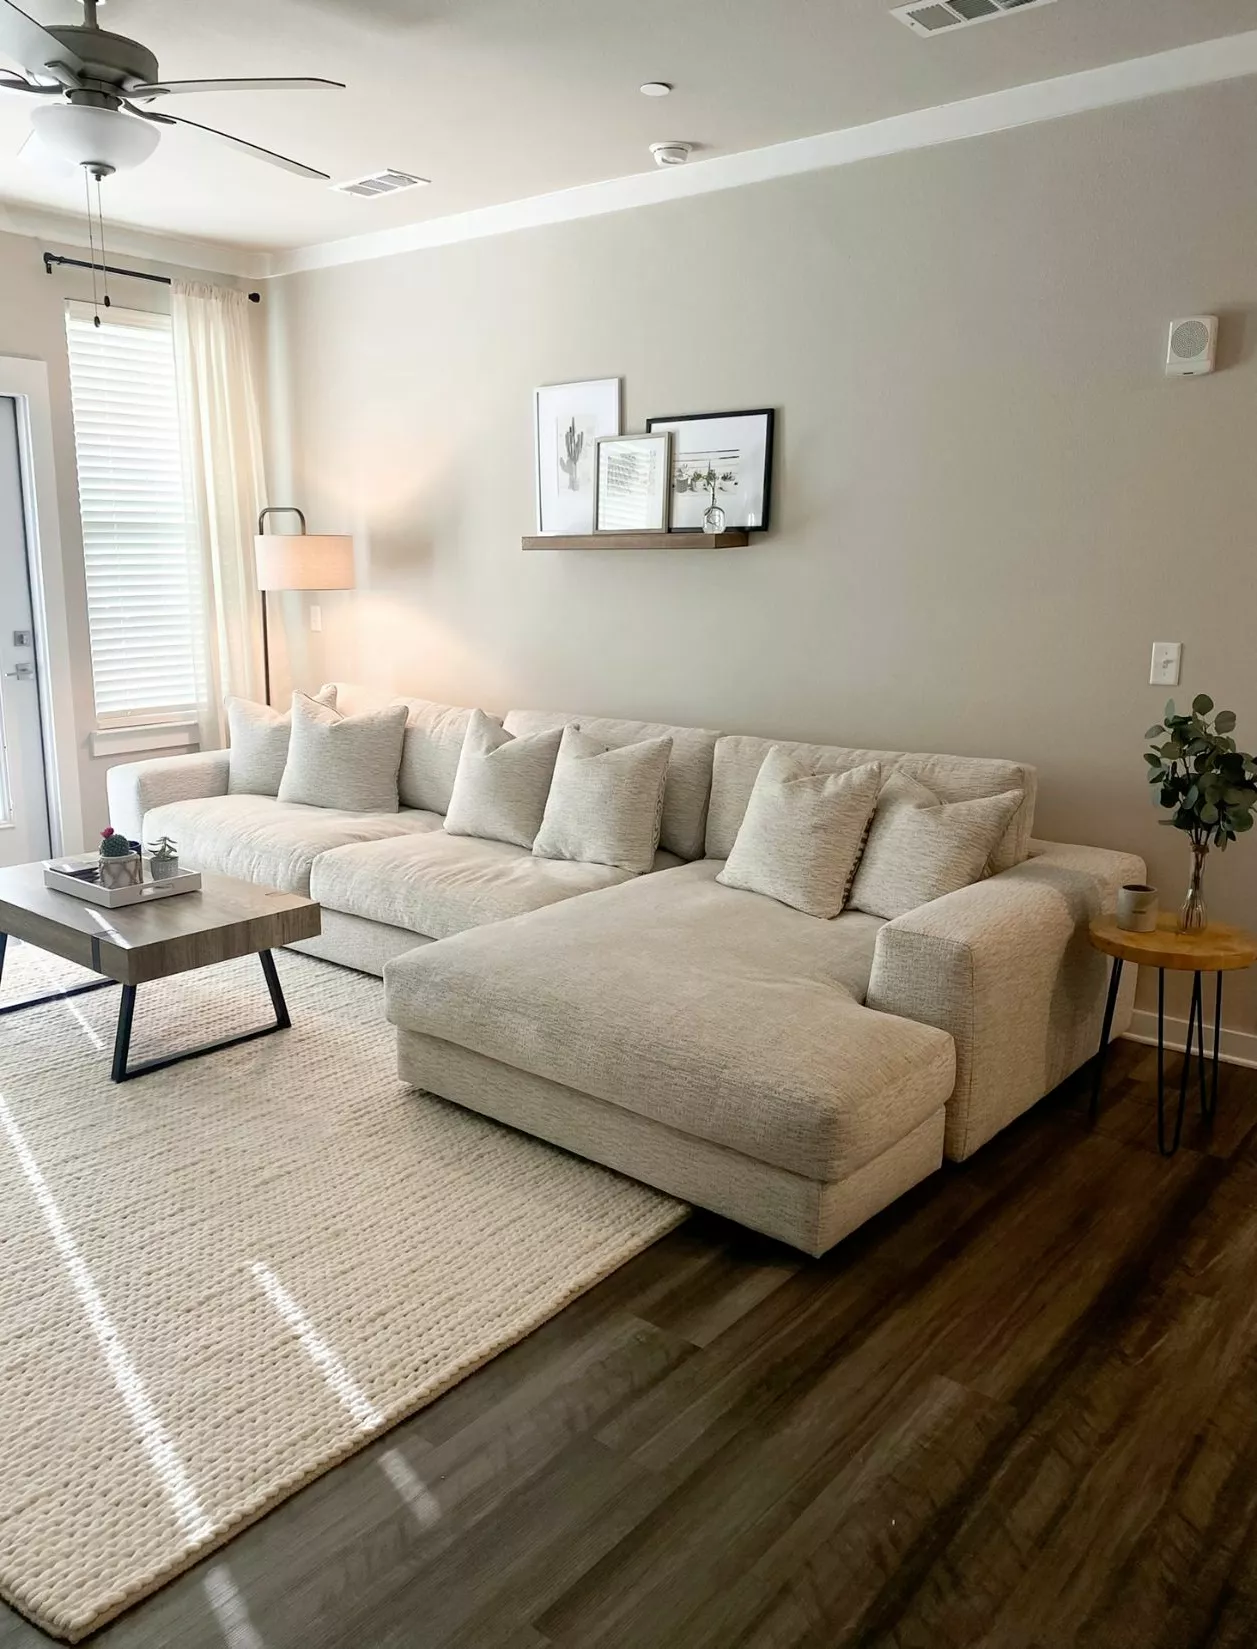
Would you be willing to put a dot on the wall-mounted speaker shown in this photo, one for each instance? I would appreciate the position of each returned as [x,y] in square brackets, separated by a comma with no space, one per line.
[1193,346]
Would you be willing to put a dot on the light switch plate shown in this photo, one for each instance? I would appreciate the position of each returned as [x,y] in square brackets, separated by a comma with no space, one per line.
[1167,663]
[316,618]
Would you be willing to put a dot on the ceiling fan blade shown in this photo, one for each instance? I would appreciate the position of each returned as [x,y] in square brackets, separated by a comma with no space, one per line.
[254,149]
[11,83]
[149,114]
[169,88]
[30,44]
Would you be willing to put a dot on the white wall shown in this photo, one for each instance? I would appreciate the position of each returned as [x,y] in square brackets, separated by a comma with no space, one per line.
[989,501]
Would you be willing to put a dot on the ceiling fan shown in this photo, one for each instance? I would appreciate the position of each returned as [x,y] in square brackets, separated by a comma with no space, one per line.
[100,81]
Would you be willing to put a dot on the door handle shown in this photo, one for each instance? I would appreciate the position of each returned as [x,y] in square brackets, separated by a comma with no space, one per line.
[21,672]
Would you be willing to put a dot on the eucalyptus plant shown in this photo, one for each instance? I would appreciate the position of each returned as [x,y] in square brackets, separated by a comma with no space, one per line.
[1208,785]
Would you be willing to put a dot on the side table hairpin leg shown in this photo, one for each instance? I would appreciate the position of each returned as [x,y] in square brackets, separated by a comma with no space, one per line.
[1209,1108]
[1195,1042]
[1196,1035]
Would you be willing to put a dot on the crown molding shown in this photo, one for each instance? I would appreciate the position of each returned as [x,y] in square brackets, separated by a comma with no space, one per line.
[1208,63]
[170,251]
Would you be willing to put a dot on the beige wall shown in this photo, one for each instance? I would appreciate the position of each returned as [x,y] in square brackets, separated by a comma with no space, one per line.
[32,325]
[989,500]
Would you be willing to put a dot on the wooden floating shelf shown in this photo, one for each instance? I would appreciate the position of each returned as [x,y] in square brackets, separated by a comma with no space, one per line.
[638,541]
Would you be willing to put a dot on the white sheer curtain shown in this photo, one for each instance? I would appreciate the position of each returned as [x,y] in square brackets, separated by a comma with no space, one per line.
[222,454]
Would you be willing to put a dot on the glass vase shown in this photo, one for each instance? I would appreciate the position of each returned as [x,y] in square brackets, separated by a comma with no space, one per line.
[1193,916]
[713,518]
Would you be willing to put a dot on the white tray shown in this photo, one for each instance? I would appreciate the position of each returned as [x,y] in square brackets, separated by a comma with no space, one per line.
[78,875]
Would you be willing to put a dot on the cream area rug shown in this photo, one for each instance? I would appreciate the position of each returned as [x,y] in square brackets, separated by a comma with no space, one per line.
[219,1280]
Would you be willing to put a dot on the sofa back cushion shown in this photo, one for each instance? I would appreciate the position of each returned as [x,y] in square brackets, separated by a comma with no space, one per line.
[689,767]
[345,762]
[738,759]
[430,752]
[433,743]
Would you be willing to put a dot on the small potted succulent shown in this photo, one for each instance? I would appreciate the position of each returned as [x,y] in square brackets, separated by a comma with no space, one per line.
[163,860]
[120,861]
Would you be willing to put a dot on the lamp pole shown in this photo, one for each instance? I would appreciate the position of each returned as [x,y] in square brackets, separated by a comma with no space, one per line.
[273,509]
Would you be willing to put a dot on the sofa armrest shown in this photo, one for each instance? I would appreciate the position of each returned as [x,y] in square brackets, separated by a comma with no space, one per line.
[135,788]
[1006,967]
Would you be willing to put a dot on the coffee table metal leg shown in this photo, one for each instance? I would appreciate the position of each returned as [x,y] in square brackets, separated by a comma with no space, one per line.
[282,1021]
[53,996]
[122,1036]
[1115,979]
[124,1071]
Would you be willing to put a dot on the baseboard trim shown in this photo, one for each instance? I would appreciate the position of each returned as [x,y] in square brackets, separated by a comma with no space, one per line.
[1238,1047]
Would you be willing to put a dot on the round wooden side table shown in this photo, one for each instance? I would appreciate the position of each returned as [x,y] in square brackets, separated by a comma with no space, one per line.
[1215,949]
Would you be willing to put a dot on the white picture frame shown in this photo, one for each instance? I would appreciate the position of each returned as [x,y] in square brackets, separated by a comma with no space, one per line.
[568,422]
[634,483]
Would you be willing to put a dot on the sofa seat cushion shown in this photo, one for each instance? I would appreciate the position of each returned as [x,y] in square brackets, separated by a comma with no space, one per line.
[721,1013]
[440,884]
[270,842]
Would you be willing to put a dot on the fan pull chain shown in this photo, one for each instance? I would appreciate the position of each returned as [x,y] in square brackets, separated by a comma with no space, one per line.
[91,241]
[104,261]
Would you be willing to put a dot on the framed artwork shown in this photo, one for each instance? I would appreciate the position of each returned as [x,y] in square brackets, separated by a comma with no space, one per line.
[633,483]
[570,420]
[728,454]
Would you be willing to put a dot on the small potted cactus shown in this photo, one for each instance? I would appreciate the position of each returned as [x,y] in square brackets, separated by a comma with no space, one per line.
[163,860]
[120,861]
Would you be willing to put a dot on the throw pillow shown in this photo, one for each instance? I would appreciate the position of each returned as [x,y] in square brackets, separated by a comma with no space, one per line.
[502,783]
[606,802]
[920,848]
[801,837]
[259,744]
[346,762]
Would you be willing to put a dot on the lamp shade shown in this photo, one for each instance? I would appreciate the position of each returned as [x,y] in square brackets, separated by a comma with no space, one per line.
[304,561]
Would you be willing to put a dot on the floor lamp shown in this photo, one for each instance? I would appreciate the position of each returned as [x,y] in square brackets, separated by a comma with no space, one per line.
[298,561]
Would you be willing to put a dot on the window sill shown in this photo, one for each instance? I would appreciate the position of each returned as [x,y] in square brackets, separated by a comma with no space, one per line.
[130,741]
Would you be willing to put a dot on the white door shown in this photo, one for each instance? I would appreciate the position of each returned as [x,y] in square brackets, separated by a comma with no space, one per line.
[23,796]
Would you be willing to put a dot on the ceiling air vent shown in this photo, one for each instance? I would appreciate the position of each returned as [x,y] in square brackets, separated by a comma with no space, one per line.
[939,16]
[388,182]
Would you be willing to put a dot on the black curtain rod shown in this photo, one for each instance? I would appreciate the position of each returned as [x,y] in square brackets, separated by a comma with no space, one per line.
[111,269]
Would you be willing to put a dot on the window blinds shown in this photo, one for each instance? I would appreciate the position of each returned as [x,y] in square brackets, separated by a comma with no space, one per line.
[139,551]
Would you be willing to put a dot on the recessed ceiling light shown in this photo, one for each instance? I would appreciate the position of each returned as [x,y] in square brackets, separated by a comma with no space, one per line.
[655,88]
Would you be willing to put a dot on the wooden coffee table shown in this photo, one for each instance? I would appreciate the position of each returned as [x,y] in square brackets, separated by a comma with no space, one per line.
[1215,949]
[141,943]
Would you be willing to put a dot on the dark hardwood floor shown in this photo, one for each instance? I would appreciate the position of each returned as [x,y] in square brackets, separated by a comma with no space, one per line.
[1016,1411]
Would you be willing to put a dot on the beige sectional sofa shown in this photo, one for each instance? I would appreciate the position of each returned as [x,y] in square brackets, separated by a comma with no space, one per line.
[795,1074]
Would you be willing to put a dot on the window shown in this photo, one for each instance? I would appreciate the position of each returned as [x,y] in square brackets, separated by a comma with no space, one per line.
[139,550]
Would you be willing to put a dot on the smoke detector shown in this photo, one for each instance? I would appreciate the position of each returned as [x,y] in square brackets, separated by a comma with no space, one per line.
[674,153]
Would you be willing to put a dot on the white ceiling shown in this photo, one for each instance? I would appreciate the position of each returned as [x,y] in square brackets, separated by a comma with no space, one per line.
[497,100]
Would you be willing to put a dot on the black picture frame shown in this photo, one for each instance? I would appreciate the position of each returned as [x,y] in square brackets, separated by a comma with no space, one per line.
[676,424]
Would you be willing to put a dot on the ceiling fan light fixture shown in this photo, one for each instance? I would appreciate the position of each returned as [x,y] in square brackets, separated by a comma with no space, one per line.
[96,138]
